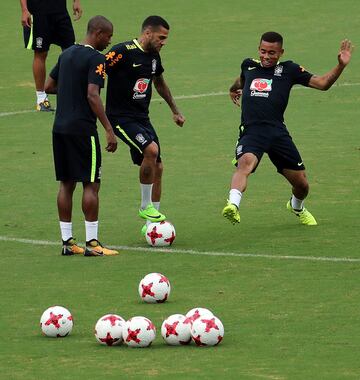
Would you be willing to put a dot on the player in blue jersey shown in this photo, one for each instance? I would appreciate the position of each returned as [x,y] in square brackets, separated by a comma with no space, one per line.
[132,67]
[264,86]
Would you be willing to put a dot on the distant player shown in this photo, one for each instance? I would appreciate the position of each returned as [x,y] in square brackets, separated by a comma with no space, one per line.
[132,67]
[265,86]
[46,22]
[77,79]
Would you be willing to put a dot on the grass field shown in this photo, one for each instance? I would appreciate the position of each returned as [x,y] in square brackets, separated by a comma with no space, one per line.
[288,295]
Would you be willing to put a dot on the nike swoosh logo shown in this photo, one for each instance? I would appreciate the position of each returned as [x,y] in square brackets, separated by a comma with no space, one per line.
[137,65]
[299,163]
[154,217]
[251,68]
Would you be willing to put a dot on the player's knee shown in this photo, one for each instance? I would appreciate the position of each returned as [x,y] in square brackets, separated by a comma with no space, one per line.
[151,151]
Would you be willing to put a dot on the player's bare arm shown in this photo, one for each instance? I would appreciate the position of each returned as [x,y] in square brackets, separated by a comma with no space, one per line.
[235,91]
[51,86]
[325,81]
[93,96]
[77,10]
[164,91]
[25,14]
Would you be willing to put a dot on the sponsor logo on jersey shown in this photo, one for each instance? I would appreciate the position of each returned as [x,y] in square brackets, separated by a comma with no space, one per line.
[130,46]
[278,70]
[100,70]
[261,87]
[39,42]
[137,64]
[153,66]
[139,137]
[113,58]
[140,88]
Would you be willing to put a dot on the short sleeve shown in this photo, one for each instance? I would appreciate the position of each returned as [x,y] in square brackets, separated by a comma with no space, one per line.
[96,73]
[114,57]
[159,67]
[300,75]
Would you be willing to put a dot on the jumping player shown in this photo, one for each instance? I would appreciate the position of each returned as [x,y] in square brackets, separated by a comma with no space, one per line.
[264,86]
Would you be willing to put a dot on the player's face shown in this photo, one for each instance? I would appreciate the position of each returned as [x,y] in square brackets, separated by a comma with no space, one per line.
[156,39]
[104,39]
[270,53]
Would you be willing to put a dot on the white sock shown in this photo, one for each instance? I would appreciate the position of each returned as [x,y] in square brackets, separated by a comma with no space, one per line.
[91,230]
[157,207]
[235,197]
[297,204]
[41,96]
[146,191]
[66,230]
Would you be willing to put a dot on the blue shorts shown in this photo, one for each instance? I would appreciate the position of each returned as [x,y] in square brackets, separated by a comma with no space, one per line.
[274,140]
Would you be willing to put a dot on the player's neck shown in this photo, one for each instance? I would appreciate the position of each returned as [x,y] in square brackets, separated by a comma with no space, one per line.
[142,43]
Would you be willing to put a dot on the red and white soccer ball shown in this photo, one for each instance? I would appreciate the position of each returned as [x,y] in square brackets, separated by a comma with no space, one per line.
[109,329]
[154,288]
[160,234]
[139,332]
[195,313]
[207,331]
[56,322]
[174,331]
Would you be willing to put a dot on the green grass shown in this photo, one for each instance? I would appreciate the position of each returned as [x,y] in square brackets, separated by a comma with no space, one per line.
[283,318]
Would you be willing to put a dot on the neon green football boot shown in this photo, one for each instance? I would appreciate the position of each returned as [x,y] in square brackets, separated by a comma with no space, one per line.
[304,215]
[143,230]
[150,213]
[231,212]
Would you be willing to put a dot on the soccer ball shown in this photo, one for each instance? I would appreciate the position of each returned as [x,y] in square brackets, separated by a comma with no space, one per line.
[194,314]
[174,331]
[160,234]
[109,329]
[139,332]
[56,322]
[154,288]
[207,331]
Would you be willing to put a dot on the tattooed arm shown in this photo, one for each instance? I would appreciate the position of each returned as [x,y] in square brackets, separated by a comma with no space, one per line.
[324,82]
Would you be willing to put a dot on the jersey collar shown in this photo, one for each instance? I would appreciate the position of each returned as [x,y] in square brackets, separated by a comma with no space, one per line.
[136,42]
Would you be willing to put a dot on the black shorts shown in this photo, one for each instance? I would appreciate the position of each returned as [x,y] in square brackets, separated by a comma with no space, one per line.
[273,140]
[77,158]
[137,134]
[47,29]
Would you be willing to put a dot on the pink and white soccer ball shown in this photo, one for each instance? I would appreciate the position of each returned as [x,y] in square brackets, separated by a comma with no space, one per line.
[207,331]
[139,332]
[195,313]
[154,288]
[160,234]
[174,331]
[56,322]
[109,329]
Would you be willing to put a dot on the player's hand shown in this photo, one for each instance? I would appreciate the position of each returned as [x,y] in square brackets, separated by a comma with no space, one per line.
[345,52]
[111,142]
[235,96]
[77,10]
[179,119]
[26,19]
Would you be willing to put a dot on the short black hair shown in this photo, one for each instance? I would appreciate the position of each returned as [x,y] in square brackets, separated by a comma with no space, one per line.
[272,37]
[154,22]
[99,22]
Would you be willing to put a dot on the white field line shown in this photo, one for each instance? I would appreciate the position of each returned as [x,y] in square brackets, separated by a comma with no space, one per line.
[197,253]
[180,97]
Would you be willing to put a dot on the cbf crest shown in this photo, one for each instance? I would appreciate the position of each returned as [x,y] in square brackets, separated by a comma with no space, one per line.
[153,66]
[278,70]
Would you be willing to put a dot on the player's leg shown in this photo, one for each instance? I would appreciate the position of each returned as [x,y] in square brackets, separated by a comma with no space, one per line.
[300,190]
[286,157]
[245,166]
[41,36]
[150,183]
[89,170]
